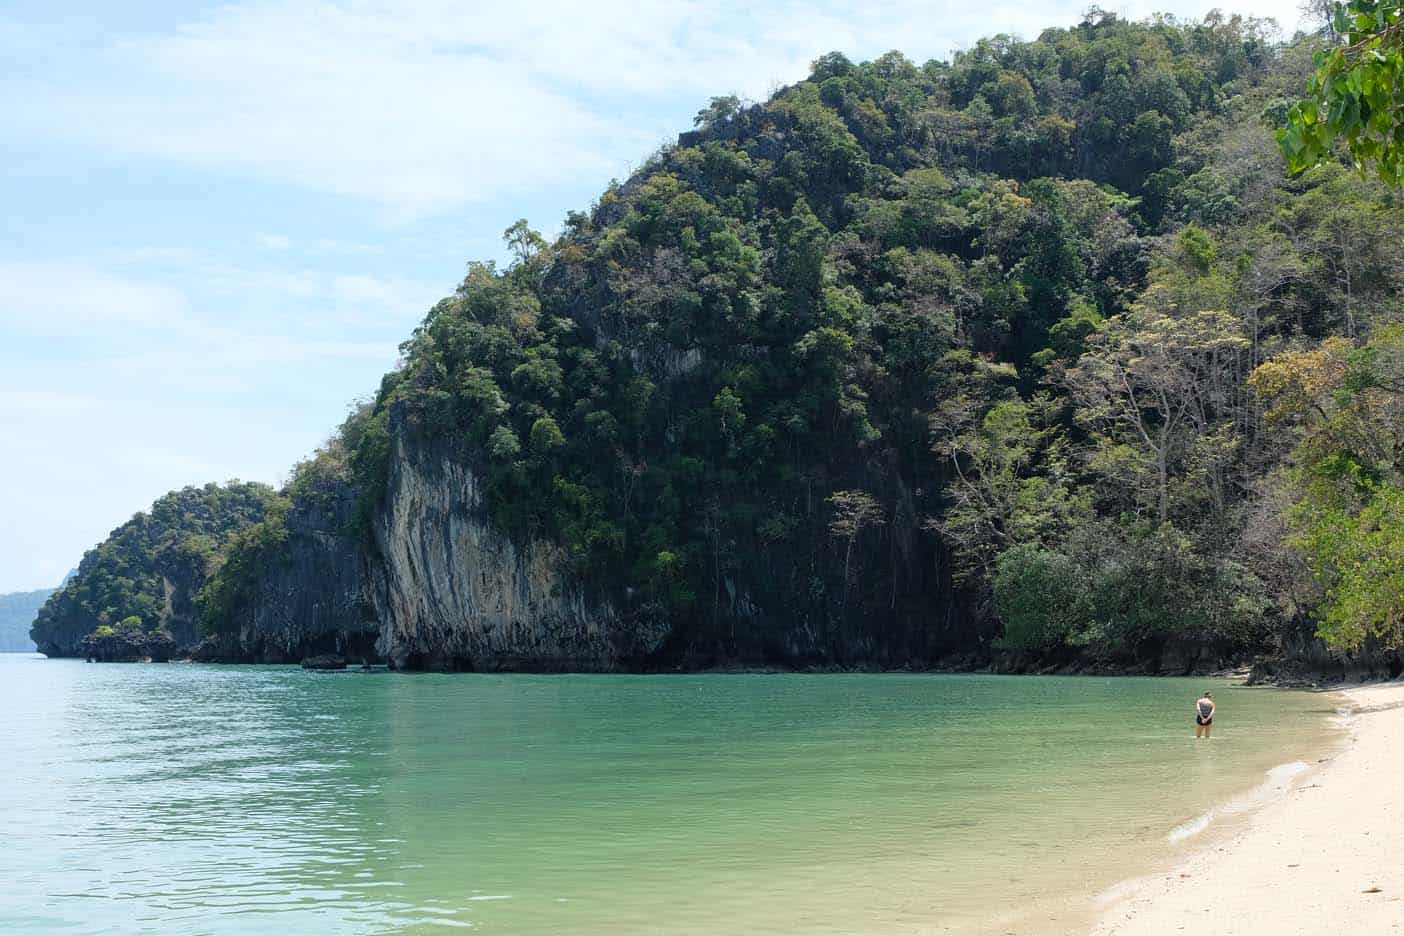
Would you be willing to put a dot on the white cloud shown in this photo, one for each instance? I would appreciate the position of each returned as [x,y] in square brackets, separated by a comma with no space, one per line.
[74,299]
[420,107]
[353,99]
[125,302]
[122,380]
[327,245]
[153,254]
[49,403]
[209,326]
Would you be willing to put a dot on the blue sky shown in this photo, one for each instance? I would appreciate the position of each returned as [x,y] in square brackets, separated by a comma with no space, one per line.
[220,220]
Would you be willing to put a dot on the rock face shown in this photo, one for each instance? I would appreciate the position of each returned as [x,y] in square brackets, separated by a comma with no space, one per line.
[128,644]
[1305,659]
[316,599]
[325,661]
[431,582]
[453,592]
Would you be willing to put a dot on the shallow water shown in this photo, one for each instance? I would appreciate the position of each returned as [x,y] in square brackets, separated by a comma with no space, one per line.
[201,799]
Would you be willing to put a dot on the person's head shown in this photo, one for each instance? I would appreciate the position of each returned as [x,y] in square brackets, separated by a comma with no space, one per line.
[1208,695]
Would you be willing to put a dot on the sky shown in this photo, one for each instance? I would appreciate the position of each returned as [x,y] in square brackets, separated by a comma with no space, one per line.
[221,219]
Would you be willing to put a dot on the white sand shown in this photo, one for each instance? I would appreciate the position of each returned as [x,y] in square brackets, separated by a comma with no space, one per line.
[1308,862]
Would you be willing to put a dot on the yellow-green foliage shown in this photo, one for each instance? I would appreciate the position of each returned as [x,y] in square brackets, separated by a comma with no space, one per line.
[1348,406]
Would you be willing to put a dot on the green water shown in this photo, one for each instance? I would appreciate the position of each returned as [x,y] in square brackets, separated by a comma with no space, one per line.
[198,799]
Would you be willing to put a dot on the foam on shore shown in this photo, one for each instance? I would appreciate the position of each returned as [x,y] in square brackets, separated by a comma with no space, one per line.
[1279,781]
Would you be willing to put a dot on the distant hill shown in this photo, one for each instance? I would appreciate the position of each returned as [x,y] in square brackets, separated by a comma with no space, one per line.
[17,611]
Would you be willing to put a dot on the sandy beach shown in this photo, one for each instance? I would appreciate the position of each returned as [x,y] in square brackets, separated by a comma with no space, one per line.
[1324,857]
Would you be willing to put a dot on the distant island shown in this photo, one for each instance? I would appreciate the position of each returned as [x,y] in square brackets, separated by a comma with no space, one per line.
[1037,359]
[17,612]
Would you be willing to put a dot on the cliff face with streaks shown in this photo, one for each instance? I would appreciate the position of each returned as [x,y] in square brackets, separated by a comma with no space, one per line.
[451,591]
[434,583]
[419,577]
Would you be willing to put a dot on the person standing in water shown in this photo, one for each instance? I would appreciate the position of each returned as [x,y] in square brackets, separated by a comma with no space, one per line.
[1204,715]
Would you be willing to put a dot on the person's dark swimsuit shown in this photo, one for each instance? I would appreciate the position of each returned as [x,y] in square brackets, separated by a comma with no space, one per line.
[1205,716]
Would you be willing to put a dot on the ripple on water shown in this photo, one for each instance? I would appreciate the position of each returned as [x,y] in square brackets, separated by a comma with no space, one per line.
[174,799]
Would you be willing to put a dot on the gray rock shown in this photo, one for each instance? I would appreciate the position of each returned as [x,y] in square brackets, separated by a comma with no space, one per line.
[452,591]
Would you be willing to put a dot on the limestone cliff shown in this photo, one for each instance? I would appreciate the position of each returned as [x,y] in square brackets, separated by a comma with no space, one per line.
[313,598]
[453,591]
[419,576]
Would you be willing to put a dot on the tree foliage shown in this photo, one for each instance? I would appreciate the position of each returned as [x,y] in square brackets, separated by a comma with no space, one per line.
[1346,408]
[146,574]
[1356,94]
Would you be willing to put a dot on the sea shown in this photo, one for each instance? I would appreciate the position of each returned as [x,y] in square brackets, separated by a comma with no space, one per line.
[192,799]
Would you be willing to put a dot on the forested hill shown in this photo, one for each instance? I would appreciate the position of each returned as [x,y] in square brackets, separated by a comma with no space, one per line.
[137,587]
[17,610]
[1037,354]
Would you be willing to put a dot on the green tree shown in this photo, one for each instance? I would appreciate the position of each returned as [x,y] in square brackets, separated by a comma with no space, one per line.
[1357,556]
[147,574]
[1146,388]
[503,444]
[854,512]
[1040,596]
[1356,94]
[1008,485]
[546,437]
[1346,407]
[524,243]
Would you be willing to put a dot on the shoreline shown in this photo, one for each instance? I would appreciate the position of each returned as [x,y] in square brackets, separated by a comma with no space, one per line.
[1242,674]
[1319,857]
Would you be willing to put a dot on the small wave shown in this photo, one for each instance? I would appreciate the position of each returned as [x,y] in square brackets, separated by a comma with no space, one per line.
[1193,827]
[1279,780]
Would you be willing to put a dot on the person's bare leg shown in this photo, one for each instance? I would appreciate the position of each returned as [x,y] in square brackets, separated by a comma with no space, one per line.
[1198,730]
[1207,730]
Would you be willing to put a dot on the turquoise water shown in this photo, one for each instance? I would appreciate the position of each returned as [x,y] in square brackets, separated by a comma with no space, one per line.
[199,799]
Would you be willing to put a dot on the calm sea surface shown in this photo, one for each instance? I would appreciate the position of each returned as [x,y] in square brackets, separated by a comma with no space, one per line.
[184,799]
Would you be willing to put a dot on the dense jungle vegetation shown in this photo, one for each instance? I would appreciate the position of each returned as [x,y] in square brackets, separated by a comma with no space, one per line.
[138,586]
[1044,339]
